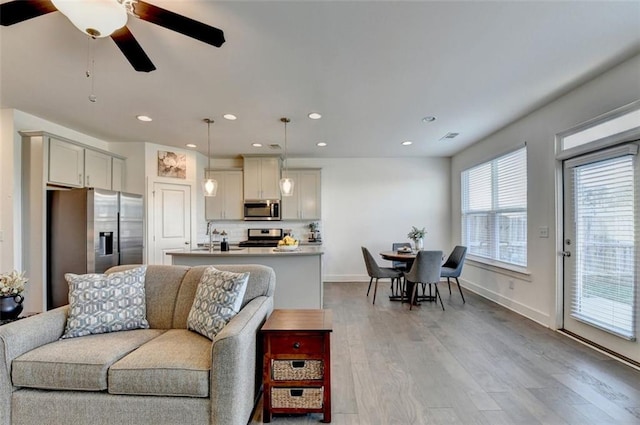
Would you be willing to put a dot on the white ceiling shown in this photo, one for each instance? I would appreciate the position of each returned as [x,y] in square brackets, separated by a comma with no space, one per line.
[372,68]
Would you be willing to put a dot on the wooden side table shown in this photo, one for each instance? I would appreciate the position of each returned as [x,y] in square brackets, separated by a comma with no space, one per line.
[297,363]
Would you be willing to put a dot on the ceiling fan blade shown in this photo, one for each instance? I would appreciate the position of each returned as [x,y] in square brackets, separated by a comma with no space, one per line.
[178,23]
[132,50]
[17,11]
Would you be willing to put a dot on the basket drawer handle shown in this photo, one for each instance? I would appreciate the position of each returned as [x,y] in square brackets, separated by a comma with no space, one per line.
[296,393]
[297,364]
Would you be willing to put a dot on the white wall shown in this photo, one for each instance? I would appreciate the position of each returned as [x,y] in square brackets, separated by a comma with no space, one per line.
[536,297]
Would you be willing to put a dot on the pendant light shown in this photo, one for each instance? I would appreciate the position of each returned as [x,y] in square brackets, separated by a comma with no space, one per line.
[286,184]
[209,185]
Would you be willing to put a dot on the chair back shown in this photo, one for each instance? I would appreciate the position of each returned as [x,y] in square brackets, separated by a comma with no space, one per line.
[373,269]
[456,259]
[396,246]
[426,267]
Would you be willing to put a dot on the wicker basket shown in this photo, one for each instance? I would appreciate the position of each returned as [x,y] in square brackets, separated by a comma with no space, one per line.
[296,398]
[297,370]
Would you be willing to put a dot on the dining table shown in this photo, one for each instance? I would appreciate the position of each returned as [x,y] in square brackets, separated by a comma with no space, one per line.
[407,257]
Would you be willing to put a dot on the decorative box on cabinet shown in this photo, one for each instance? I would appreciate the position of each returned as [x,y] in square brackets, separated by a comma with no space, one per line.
[305,202]
[297,363]
[261,177]
[227,204]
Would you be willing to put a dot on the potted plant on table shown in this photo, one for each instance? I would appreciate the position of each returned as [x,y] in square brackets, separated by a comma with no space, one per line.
[417,236]
[11,288]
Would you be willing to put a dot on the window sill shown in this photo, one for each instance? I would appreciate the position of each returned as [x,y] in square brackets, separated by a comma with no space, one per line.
[513,271]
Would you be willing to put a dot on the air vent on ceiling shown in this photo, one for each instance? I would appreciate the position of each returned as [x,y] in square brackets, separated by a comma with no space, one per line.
[275,146]
[450,136]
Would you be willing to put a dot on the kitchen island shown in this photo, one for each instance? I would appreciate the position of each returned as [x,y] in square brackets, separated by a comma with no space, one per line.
[298,273]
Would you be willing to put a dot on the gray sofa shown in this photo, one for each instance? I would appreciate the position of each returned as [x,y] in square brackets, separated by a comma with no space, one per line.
[162,375]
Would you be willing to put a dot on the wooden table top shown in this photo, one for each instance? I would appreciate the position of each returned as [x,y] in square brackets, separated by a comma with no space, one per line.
[398,256]
[299,320]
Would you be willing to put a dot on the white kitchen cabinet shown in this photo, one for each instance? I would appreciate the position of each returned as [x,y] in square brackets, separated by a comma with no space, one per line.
[97,169]
[66,163]
[305,202]
[227,204]
[74,165]
[117,174]
[261,177]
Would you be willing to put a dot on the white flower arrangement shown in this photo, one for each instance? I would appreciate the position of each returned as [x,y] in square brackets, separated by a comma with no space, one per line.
[416,233]
[12,283]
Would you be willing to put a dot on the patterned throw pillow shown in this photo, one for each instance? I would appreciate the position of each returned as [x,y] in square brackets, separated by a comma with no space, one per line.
[218,298]
[106,303]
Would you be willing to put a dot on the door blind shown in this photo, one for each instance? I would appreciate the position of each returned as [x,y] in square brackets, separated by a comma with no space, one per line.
[604,282]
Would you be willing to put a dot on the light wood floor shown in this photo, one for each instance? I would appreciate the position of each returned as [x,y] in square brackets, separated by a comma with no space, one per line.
[475,363]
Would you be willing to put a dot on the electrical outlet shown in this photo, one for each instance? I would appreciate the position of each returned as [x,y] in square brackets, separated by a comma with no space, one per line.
[511,284]
[543,231]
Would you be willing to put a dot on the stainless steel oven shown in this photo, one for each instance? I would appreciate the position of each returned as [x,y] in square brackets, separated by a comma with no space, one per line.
[261,209]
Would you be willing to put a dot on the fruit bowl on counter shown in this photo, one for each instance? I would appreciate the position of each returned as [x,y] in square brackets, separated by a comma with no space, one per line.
[287,244]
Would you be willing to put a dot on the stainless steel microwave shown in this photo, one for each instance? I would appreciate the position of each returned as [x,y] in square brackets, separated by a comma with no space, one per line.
[261,209]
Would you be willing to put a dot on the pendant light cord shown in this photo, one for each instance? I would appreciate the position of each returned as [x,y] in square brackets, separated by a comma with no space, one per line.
[209,121]
[285,120]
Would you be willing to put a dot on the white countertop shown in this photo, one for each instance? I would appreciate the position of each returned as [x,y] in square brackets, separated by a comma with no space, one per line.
[255,252]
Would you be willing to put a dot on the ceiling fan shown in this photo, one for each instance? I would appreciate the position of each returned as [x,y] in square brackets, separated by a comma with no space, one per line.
[108,18]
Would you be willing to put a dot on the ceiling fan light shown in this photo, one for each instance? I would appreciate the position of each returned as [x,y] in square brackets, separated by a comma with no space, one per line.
[96,18]
[286,186]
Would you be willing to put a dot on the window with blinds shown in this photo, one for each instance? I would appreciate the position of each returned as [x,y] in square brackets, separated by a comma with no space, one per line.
[604,278]
[494,209]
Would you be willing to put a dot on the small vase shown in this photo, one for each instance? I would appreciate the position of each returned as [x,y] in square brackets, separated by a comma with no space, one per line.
[10,306]
[418,244]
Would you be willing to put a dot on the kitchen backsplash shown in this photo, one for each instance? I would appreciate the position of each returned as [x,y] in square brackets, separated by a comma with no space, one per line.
[237,230]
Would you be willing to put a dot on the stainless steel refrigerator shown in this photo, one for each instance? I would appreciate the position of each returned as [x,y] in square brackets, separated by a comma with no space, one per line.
[89,231]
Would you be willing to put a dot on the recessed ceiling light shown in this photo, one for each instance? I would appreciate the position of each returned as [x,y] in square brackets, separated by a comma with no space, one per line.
[314,116]
[230,117]
[407,143]
[429,118]
[256,145]
[144,118]
[191,145]
[321,144]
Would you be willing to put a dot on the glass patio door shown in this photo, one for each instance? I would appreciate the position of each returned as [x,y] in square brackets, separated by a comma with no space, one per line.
[601,255]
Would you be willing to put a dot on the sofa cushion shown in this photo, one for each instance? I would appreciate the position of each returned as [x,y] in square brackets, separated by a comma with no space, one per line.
[76,363]
[218,298]
[106,303]
[176,363]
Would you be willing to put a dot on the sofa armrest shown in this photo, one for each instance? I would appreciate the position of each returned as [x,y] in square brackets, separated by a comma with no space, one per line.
[19,337]
[234,360]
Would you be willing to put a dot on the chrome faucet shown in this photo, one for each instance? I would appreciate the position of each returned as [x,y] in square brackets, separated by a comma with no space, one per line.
[211,233]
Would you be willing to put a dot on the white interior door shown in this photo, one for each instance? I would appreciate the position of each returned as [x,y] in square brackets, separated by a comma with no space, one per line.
[172,220]
[601,254]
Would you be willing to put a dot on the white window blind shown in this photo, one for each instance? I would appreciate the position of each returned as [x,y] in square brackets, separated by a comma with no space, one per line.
[603,284]
[494,209]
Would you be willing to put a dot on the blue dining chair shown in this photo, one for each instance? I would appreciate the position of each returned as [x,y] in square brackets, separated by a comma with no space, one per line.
[376,272]
[425,271]
[452,268]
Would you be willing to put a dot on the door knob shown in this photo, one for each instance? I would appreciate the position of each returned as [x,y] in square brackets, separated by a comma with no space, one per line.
[186,243]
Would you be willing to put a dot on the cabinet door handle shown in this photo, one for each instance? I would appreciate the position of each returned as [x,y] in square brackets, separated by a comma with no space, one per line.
[79,178]
[296,345]
[88,180]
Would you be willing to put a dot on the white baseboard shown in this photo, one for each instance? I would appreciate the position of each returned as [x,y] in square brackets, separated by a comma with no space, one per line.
[515,306]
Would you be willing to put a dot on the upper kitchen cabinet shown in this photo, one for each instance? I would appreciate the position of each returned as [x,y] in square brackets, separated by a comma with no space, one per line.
[118,167]
[305,202]
[97,169]
[66,163]
[227,204]
[72,164]
[261,177]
